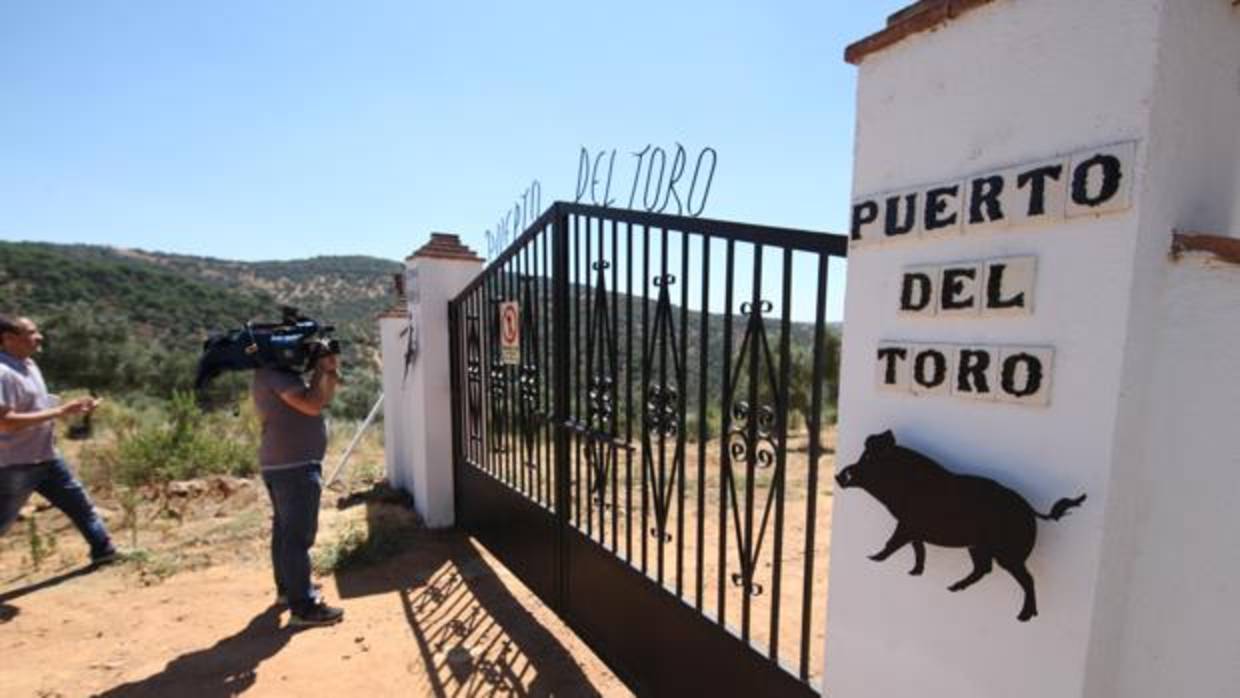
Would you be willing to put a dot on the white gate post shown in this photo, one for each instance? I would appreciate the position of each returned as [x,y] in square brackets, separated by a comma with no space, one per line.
[1065,141]
[418,396]
[393,327]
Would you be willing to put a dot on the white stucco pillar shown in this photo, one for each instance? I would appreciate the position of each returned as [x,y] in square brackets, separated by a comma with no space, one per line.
[397,396]
[1136,589]
[417,399]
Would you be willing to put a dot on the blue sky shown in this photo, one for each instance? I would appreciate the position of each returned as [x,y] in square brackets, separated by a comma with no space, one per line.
[275,130]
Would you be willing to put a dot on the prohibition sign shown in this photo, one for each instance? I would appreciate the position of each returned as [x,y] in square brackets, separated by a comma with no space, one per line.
[510,333]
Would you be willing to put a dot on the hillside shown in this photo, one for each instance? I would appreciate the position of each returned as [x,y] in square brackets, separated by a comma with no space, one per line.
[173,294]
[43,280]
[135,320]
[131,320]
[345,290]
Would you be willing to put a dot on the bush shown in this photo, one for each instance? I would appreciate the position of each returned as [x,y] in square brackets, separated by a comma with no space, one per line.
[187,444]
[356,396]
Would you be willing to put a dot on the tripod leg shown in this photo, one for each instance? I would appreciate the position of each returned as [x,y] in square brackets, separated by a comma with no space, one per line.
[353,444]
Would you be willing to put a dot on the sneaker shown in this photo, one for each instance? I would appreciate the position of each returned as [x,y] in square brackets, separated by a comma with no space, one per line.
[318,614]
[282,598]
[105,558]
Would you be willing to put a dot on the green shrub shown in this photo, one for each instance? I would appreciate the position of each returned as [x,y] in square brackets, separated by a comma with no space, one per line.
[187,444]
[356,396]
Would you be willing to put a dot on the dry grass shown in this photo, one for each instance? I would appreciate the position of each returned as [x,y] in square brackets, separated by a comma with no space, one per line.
[189,525]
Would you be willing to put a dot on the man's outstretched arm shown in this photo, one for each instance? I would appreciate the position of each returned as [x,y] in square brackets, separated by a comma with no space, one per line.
[11,421]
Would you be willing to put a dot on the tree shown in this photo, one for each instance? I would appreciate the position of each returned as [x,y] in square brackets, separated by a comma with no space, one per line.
[801,378]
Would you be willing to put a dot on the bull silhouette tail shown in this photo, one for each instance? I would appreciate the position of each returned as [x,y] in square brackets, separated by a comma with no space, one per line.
[1061,508]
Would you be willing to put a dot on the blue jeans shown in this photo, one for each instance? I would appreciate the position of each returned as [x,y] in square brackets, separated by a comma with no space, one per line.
[294,523]
[53,480]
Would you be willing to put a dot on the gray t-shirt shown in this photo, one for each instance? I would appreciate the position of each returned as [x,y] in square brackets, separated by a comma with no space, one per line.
[289,437]
[22,390]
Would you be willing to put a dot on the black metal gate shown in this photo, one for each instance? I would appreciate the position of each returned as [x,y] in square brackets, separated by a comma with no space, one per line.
[636,463]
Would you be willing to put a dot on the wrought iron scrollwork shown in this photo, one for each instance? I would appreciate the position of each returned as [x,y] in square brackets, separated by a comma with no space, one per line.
[662,409]
[739,443]
[473,373]
[497,384]
[664,402]
[529,380]
[498,400]
[528,386]
[751,439]
[601,389]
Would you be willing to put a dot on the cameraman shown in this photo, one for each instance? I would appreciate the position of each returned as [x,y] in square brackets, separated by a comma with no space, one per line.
[28,458]
[294,439]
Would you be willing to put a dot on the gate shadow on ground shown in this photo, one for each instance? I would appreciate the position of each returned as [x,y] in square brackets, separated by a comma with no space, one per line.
[473,635]
[225,669]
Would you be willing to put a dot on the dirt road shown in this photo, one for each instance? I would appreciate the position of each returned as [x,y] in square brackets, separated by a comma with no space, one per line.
[438,618]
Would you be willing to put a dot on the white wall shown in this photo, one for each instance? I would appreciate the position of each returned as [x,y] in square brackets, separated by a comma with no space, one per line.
[1167,608]
[397,402]
[1010,83]
[425,461]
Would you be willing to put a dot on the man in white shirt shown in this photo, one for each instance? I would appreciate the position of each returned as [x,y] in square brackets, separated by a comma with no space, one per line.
[28,458]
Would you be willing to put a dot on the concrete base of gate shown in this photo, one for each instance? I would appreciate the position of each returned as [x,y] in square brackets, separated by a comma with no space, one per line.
[1137,589]
[416,377]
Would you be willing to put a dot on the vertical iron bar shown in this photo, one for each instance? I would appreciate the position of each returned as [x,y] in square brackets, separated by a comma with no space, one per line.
[575,292]
[661,476]
[584,407]
[476,446]
[536,304]
[548,430]
[615,380]
[488,398]
[751,459]
[645,385]
[682,395]
[527,338]
[560,364]
[496,433]
[703,366]
[510,414]
[504,295]
[815,452]
[782,408]
[725,455]
[463,385]
[526,313]
[514,378]
[497,297]
[605,451]
[628,400]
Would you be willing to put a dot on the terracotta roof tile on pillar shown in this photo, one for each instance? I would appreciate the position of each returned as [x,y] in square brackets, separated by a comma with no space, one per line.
[445,246]
[918,17]
[399,307]
[398,310]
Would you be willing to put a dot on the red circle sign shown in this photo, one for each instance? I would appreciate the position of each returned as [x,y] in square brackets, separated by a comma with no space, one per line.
[509,322]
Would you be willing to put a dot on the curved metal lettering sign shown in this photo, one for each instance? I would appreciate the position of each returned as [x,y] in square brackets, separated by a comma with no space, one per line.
[658,181]
[515,219]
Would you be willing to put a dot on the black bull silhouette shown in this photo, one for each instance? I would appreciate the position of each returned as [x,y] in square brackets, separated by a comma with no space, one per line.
[934,505]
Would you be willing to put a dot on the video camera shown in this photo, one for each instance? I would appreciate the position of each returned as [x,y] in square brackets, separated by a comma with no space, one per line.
[293,344]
